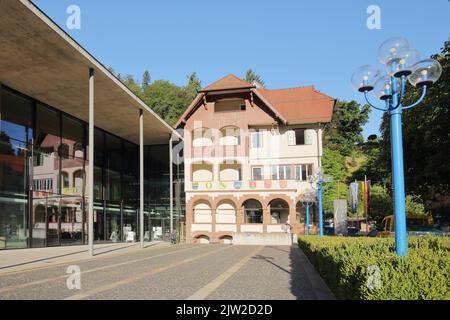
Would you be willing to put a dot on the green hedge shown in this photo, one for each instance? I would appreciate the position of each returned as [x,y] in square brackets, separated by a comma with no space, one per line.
[346,264]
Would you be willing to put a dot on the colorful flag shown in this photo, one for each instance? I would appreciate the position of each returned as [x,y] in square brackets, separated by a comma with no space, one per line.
[354,196]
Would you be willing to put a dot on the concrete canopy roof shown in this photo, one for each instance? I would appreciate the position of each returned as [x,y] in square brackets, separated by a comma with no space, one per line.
[39,59]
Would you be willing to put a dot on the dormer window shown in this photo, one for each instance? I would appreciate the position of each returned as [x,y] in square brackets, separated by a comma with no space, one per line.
[229,105]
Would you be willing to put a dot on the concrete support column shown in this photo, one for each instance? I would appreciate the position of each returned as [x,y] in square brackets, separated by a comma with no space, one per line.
[171,182]
[213,224]
[240,212]
[292,216]
[189,221]
[266,218]
[141,176]
[91,163]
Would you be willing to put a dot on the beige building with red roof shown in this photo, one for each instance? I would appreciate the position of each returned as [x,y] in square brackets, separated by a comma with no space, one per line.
[248,152]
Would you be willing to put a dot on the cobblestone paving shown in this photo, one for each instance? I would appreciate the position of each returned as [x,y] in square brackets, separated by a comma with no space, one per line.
[177,272]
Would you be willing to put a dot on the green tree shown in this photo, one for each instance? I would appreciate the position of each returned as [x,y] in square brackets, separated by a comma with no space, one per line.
[380,202]
[426,139]
[345,130]
[253,77]
[375,168]
[166,99]
[133,85]
[146,79]
[193,86]
[5,144]
[333,165]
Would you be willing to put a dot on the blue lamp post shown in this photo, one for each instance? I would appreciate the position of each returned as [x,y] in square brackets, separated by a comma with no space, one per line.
[316,180]
[306,202]
[402,63]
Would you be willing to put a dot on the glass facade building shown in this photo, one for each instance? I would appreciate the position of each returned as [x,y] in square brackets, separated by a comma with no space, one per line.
[43,175]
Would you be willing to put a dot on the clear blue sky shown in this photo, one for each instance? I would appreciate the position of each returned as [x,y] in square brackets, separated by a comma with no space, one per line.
[289,43]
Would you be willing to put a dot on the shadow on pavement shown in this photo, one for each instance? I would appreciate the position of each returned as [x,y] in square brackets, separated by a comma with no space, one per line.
[74,253]
[306,283]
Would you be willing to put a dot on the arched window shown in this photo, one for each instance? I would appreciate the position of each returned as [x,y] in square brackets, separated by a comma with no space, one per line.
[63,151]
[65,180]
[78,181]
[202,171]
[226,239]
[202,137]
[230,136]
[226,212]
[202,212]
[78,150]
[279,211]
[230,171]
[253,212]
[39,214]
[202,239]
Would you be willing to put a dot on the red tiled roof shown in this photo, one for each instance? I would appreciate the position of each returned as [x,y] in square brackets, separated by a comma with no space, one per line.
[227,83]
[291,106]
[300,105]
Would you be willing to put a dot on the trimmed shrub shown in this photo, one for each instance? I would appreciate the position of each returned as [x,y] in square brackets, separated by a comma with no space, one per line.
[369,269]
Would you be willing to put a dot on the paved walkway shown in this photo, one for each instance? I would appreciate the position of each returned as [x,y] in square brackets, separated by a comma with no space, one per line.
[182,272]
[24,259]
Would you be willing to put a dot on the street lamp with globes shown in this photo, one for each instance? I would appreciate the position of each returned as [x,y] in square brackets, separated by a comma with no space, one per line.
[316,181]
[402,63]
[306,202]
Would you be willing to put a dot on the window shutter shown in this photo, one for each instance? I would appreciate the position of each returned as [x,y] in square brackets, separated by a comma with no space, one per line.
[291,138]
[309,136]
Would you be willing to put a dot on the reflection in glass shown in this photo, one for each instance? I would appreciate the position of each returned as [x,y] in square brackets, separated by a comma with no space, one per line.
[113,232]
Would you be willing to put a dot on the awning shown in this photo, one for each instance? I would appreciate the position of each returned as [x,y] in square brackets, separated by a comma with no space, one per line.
[39,59]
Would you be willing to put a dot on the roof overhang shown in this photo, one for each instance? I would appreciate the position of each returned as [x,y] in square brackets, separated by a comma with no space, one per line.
[39,59]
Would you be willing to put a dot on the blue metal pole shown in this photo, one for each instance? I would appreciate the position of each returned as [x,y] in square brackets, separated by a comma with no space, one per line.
[307,218]
[319,194]
[398,178]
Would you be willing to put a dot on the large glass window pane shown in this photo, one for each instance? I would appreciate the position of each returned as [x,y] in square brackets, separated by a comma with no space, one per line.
[113,224]
[113,165]
[99,162]
[38,220]
[99,222]
[131,173]
[157,172]
[13,223]
[53,231]
[98,185]
[16,116]
[130,224]
[46,148]
[15,138]
[99,145]
[71,220]
[73,162]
